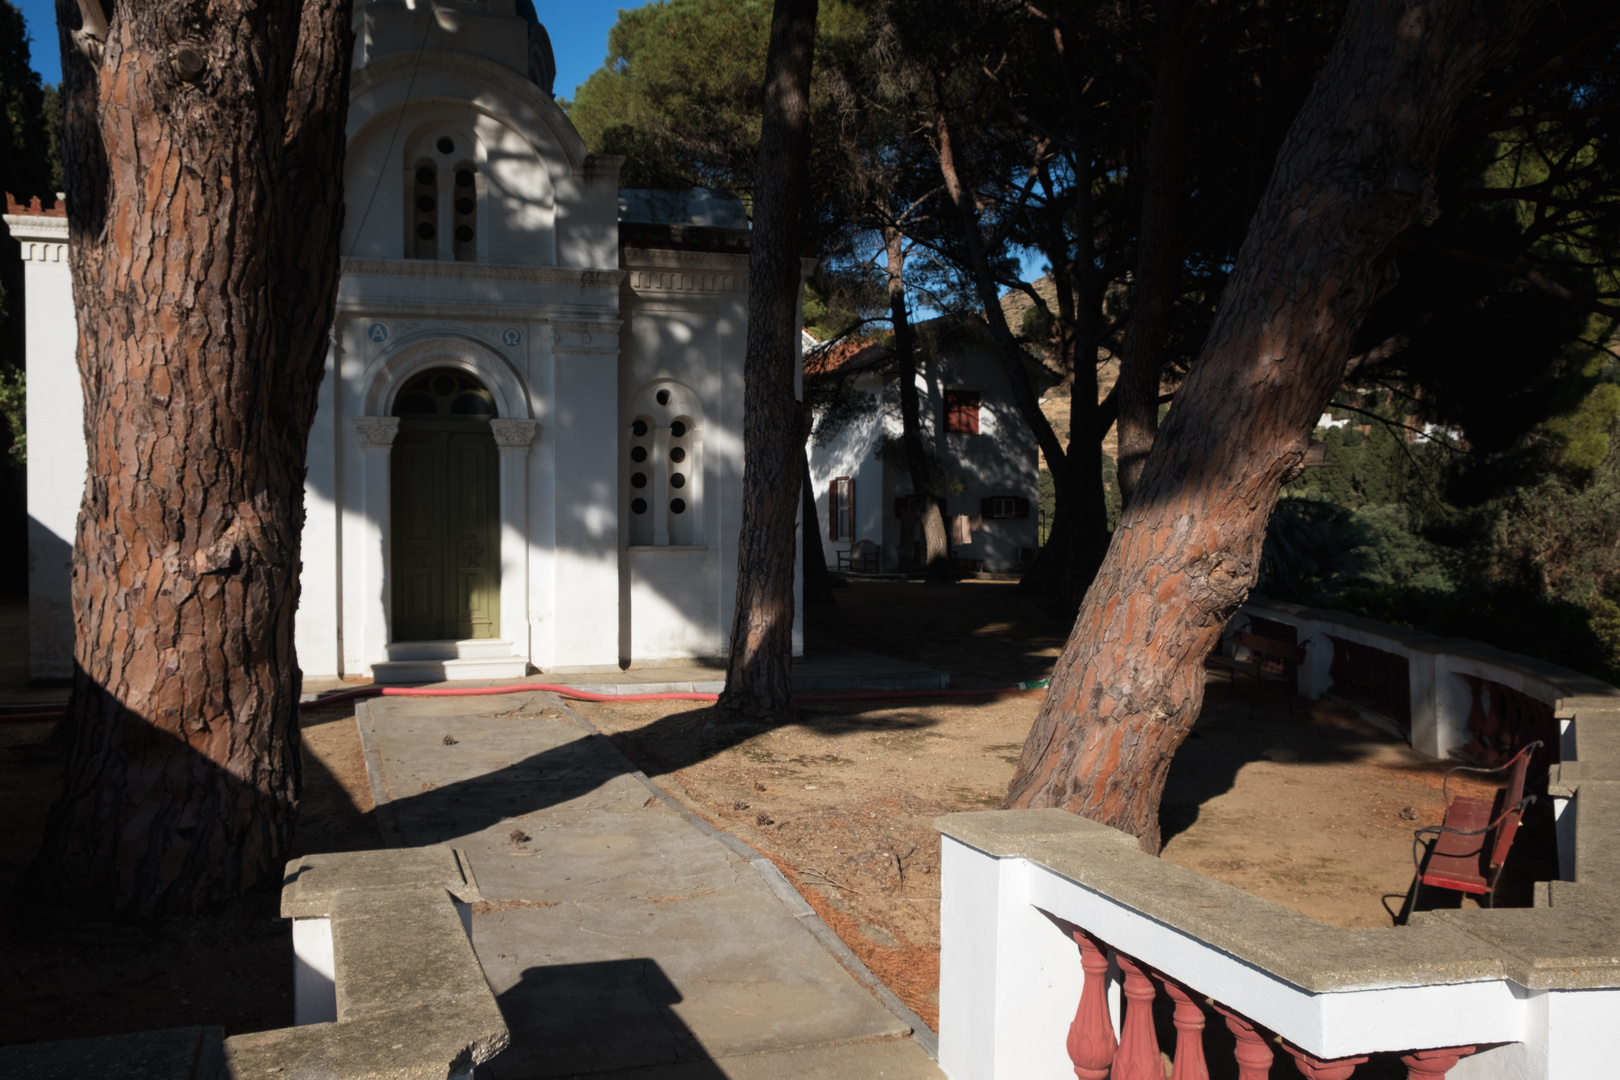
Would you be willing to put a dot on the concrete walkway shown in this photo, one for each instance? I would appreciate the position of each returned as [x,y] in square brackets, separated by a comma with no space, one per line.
[622,936]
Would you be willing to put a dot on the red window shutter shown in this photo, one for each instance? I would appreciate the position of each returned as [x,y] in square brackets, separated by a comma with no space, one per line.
[962,412]
[832,509]
[851,490]
[1023,508]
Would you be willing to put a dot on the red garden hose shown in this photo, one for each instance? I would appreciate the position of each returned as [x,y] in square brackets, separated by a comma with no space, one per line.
[586,695]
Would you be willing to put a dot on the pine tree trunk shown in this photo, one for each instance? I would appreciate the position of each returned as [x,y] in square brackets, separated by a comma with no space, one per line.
[1158,249]
[818,590]
[930,514]
[1355,171]
[204,206]
[759,672]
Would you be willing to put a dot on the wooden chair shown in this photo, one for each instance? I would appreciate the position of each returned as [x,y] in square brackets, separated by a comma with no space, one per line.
[862,556]
[1269,660]
[1472,841]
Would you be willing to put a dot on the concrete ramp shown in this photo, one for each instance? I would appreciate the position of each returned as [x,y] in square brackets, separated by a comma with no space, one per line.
[622,937]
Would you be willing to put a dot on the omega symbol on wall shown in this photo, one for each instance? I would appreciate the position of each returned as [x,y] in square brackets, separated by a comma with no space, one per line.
[511,338]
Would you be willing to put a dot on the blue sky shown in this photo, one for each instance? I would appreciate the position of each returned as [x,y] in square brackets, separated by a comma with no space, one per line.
[579,32]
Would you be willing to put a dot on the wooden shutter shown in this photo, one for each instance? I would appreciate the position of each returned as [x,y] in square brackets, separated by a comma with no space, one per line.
[962,412]
[832,509]
[1022,506]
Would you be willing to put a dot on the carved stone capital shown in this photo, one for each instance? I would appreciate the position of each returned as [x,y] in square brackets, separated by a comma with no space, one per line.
[514,433]
[376,431]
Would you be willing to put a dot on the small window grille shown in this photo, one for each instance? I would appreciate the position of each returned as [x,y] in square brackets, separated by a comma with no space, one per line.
[422,222]
[464,203]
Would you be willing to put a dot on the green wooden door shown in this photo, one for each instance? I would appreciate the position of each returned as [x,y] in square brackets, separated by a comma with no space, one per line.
[445,531]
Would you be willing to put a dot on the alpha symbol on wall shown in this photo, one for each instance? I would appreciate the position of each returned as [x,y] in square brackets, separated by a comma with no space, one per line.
[511,338]
[377,333]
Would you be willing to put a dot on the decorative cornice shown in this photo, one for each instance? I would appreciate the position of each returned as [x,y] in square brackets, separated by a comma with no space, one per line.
[378,431]
[640,258]
[432,268]
[514,433]
[654,281]
[38,227]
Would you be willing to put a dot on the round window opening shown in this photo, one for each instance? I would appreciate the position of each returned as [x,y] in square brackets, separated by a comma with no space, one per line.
[677,506]
[663,397]
[677,454]
[464,233]
[638,480]
[638,506]
[638,429]
[425,176]
[464,178]
[677,429]
[638,453]
[446,144]
[425,230]
[464,206]
[424,203]
[677,481]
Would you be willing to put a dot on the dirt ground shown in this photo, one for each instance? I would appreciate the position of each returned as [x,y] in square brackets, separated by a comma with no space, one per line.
[1312,808]
[1309,806]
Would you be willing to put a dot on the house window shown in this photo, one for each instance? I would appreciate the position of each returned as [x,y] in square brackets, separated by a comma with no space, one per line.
[841,509]
[1004,508]
[962,412]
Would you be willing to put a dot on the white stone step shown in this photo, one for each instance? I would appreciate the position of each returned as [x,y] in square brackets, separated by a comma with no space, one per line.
[466,649]
[394,672]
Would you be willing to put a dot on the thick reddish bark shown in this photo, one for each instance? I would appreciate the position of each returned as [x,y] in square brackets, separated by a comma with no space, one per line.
[204,155]
[1354,172]
[1153,285]
[759,672]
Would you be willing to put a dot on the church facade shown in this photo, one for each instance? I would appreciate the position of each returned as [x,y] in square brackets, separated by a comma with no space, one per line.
[527,454]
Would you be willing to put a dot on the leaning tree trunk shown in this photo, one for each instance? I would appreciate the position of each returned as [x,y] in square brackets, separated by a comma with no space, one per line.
[930,512]
[1356,170]
[759,672]
[204,154]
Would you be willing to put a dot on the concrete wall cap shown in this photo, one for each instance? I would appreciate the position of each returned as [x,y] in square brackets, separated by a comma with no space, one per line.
[312,881]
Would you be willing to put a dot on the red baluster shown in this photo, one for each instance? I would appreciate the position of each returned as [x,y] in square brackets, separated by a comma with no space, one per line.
[1314,1068]
[1091,1035]
[1433,1064]
[1190,1064]
[1253,1056]
[1138,1044]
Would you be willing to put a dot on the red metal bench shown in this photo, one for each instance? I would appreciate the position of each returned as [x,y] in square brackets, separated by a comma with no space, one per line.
[1269,660]
[1472,842]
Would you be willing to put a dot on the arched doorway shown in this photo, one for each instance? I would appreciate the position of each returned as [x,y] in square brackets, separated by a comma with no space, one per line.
[445,510]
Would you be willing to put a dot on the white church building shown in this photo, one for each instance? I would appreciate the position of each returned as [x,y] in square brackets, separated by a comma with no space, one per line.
[528,450]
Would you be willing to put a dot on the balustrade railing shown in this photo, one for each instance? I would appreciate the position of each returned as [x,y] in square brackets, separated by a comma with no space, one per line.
[1137,1055]
[1058,935]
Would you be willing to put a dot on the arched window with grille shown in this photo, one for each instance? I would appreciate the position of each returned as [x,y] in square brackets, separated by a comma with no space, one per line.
[445,191]
[663,467]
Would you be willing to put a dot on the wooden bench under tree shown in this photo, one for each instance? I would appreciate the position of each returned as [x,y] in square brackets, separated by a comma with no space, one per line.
[1269,660]
[1472,842]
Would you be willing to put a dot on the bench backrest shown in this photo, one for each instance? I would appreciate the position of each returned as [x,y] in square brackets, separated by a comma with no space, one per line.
[1519,768]
[1279,652]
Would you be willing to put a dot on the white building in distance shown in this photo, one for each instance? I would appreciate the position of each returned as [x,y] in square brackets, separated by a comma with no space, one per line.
[528,450]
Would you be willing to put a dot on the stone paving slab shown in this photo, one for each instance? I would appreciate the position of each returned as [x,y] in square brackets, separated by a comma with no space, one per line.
[618,937]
